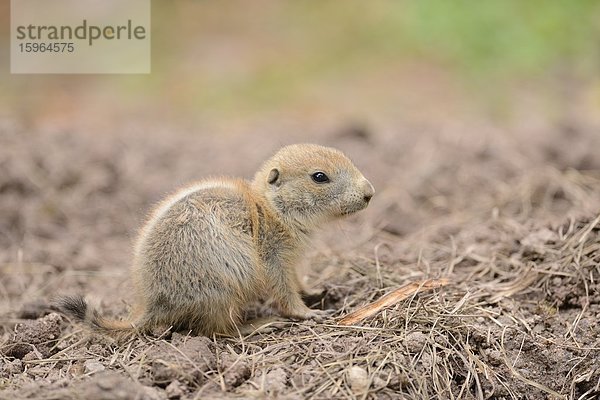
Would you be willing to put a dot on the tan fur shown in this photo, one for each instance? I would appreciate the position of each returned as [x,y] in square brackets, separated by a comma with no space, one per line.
[211,248]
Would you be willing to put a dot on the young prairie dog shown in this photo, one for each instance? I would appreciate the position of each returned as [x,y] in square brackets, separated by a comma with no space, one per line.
[212,247]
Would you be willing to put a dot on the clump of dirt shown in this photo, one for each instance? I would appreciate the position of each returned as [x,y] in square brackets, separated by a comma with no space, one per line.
[113,386]
[183,358]
[34,339]
[234,370]
[103,386]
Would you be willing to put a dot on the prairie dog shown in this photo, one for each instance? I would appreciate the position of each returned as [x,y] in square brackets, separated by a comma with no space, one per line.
[212,247]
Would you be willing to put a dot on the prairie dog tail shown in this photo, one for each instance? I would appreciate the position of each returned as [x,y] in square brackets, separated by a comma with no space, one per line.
[78,308]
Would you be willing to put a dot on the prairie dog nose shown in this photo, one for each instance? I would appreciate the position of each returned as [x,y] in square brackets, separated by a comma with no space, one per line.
[368,190]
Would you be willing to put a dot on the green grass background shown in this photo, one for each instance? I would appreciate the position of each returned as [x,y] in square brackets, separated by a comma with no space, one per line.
[237,57]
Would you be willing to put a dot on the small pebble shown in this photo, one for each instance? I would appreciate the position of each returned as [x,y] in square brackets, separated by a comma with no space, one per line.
[93,366]
[174,390]
[358,379]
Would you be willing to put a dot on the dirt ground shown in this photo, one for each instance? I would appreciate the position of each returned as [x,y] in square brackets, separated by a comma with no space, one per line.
[510,218]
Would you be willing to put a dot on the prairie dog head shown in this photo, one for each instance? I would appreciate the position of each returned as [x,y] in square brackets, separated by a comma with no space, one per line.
[311,183]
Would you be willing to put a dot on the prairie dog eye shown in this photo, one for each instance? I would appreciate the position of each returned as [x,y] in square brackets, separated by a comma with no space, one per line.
[320,177]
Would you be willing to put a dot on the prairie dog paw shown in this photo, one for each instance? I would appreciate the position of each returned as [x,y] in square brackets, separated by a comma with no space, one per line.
[318,315]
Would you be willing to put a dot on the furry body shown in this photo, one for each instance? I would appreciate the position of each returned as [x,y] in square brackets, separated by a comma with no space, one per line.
[211,248]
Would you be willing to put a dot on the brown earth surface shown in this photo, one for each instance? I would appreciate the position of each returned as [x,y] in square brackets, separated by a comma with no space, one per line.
[511,219]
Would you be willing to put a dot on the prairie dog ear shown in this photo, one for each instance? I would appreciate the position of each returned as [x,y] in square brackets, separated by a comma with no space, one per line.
[273,177]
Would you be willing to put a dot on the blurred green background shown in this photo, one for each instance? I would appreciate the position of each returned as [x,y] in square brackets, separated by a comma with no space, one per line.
[397,61]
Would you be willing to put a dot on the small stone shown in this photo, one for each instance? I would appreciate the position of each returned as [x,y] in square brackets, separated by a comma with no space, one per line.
[33,355]
[358,379]
[538,328]
[379,383]
[93,366]
[276,380]
[415,341]
[174,390]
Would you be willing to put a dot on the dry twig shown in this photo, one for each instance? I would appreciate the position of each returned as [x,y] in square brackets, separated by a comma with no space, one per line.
[390,299]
